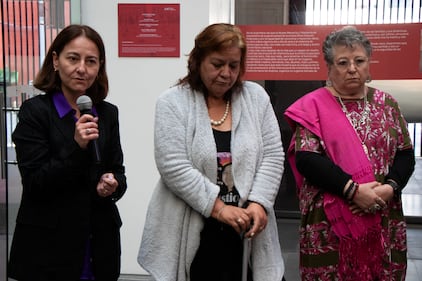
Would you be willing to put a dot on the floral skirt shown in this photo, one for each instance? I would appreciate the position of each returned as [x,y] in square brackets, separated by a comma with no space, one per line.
[319,246]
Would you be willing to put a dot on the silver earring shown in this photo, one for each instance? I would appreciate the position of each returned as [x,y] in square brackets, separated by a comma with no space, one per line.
[328,83]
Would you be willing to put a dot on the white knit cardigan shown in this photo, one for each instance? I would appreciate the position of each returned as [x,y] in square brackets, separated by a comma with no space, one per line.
[186,158]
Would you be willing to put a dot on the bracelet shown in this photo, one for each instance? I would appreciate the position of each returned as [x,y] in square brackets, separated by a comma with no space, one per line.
[395,186]
[220,211]
[351,189]
[356,190]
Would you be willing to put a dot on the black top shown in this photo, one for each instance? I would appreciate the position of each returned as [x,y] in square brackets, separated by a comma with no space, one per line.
[320,171]
[228,192]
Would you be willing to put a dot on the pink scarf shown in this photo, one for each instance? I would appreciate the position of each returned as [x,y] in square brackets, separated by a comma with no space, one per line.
[360,236]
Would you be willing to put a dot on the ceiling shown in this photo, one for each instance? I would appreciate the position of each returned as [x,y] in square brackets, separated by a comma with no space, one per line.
[408,93]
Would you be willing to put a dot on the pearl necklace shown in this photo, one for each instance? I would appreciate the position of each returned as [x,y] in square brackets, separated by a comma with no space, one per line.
[365,120]
[226,113]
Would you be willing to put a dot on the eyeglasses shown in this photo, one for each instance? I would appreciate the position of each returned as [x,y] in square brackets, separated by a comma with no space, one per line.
[358,62]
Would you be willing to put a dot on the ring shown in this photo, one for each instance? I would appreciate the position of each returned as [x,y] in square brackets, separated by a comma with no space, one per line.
[239,220]
[373,209]
[88,131]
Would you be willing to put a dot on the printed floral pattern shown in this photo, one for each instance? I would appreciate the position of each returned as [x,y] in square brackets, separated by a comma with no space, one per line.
[318,244]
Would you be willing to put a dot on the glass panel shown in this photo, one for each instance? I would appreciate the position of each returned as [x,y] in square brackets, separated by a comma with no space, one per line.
[221,11]
[261,11]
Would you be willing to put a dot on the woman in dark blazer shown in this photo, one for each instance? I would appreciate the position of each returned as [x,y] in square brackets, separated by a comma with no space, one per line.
[68,224]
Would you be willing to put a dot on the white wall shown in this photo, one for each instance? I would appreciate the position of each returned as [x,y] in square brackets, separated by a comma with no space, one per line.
[135,84]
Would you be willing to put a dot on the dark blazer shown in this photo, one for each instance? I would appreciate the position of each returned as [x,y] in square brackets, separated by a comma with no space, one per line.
[60,208]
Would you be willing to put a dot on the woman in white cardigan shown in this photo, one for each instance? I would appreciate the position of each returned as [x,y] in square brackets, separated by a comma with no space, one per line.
[219,153]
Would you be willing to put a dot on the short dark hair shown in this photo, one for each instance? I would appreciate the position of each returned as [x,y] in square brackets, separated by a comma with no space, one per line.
[48,80]
[347,36]
[214,37]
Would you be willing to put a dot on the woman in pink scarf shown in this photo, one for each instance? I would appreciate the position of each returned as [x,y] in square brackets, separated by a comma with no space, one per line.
[351,155]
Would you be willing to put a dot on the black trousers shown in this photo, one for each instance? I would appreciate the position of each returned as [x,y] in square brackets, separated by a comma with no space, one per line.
[219,256]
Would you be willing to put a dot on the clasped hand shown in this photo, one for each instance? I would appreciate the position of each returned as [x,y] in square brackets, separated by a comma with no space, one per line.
[251,220]
[371,197]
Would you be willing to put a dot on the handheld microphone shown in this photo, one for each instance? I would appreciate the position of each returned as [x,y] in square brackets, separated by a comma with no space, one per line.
[84,104]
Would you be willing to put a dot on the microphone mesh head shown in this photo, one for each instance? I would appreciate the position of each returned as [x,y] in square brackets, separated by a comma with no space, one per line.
[84,103]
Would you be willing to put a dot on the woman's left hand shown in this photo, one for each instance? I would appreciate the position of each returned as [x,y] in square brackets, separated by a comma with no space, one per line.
[107,185]
[366,200]
[385,191]
[259,218]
